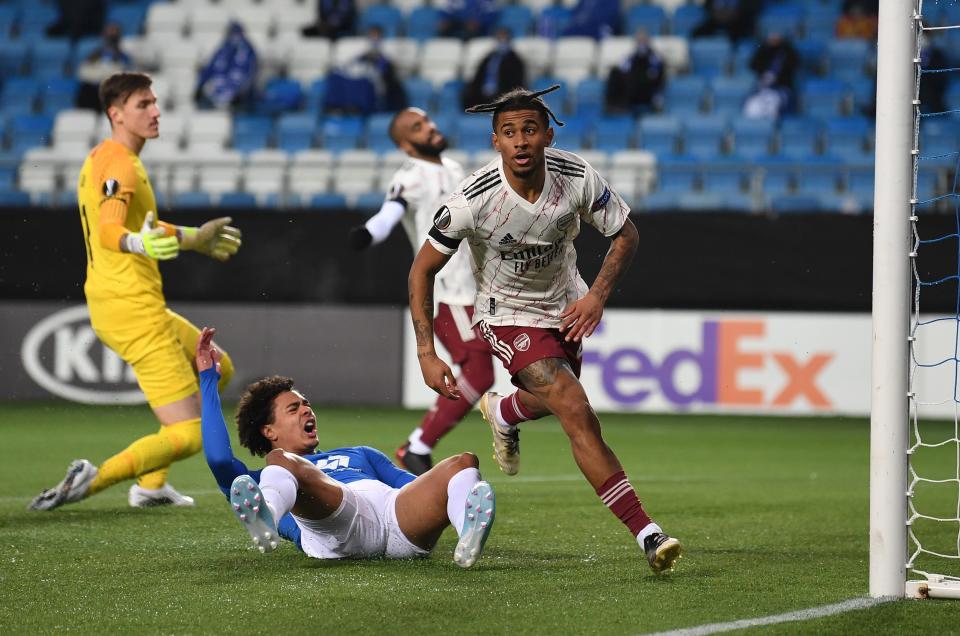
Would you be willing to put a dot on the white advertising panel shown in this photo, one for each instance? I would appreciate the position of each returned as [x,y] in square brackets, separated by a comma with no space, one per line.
[721,362]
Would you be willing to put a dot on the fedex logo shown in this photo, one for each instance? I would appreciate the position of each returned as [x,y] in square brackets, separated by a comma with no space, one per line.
[731,358]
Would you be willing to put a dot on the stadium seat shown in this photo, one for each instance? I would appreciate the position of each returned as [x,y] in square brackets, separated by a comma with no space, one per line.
[218,171]
[536,52]
[650,17]
[348,48]
[13,58]
[341,133]
[378,132]
[812,52]
[251,132]
[404,52]
[684,95]
[58,93]
[590,97]
[704,137]
[130,17]
[449,99]
[19,94]
[659,133]
[328,201]
[237,200]
[776,179]
[674,50]
[848,57]
[557,100]
[422,23]
[419,93]
[812,179]
[8,20]
[723,181]
[613,51]
[192,199]
[685,18]
[710,56]
[291,17]
[474,51]
[552,20]
[631,173]
[727,94]
[295,131]
[368,202]
[207,22]
[823,97]
[440,60]
[574,58]
[786,18]
[35,19]
[165,21]
[794,203]
[309,172]
[263,173]
[309,60]
[799,137]
[14,199]
[39,172]
[49,57]
[28,131]
[612,134]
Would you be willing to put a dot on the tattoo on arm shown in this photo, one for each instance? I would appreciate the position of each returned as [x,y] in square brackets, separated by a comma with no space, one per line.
[422,320]
[543,373]
[615,263]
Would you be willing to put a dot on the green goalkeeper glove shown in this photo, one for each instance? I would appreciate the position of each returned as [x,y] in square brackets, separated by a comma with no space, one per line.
[214,238]
[150,241]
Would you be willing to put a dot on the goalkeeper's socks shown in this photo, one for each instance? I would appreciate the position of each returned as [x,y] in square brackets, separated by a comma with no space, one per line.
[510,411]
[618,495]
[279,488]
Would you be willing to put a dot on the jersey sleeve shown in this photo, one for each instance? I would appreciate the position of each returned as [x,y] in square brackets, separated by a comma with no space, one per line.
[385,470]
[452,223]
[213,429]
[116,183]
[603,208]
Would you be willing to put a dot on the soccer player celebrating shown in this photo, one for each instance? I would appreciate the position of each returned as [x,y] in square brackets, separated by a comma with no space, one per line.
[124,240]
[342,503]
[417,189]
[519,216]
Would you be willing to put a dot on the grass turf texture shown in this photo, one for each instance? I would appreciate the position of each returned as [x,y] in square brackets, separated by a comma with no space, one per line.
[773,514]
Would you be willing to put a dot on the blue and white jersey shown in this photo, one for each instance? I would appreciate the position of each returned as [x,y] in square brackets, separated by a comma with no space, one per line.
[345,465]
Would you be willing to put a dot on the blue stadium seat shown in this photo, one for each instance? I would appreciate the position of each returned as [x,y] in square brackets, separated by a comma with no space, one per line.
[449,98]
[736,202]
[472,133]
[699,202]
[823,97]
[129,16]
[729,93]
[316,94]
[611,134]
[518,18]
[275,200]
[799,137]
[29,131]
[8,178]
[703,136]
[296,131]
[659,133]
[848,57]
[378,132]
[710,56]
[388,18]
[13,58]
[848,137]
[786,18]
[83,48]
[573,133]
[812,52]
[419,93]
[422,23]
[49,58]
[821,22]
[677,174]
[280,94]
[860,182]
[813,180]
[723,181]
[684,94]
[553,20]
[14,199]
[34,20]
[752,130]
[650,17]
[557,100]
[237,200]
[368,202]
[590,97]
[777,182]
[332,201]
[863,91]
[342,133]
[192,199]
[251,132]
[8,18]
[58,93]
[793,203]
[686,18]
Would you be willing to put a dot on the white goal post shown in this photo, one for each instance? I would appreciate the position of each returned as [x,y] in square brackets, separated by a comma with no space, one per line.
[897,152]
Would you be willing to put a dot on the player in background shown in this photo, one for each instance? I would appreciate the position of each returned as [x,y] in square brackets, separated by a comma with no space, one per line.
[519,216]
[417,189]
[124,240]
[341,503]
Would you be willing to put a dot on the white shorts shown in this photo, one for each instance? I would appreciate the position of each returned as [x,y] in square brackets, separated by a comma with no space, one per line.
[364,526]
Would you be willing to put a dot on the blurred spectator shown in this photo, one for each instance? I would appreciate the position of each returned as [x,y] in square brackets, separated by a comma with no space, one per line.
[775,63]
[334,18]
[594,18]
[500,71]
[230,76]
[467,18]
[858,20]
[637,83]
[735,18]
[103,61]
[78,18]
[367,84]
[932,85]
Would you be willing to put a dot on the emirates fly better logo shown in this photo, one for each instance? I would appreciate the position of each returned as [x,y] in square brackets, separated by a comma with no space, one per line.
[63,355]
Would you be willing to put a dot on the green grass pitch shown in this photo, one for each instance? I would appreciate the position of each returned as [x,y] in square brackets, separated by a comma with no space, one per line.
[773,514]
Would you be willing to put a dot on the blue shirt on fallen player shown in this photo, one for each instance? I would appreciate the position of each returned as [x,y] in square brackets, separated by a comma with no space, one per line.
[342,464]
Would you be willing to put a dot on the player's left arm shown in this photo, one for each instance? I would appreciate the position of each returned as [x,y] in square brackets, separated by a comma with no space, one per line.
[385,470]
[609,214]
[378,227]
[216,238]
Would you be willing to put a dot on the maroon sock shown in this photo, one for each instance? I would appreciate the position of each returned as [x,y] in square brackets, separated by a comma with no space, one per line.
[513,411]
[619,496]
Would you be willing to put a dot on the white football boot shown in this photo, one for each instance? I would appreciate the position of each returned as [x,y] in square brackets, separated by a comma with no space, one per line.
[506,443]
[248,505]
[73,488]
[165,496]
[481,510]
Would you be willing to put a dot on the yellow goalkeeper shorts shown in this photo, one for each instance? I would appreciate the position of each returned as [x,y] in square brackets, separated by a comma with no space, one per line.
[160,350]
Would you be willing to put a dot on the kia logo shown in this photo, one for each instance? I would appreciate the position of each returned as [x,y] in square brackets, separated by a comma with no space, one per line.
[63,355]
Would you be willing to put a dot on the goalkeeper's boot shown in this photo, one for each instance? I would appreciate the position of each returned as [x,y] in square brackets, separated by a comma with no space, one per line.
[413,462]
[73,488]
[506,441]
[164,496]
[662,551]
[481,510]
[248,505]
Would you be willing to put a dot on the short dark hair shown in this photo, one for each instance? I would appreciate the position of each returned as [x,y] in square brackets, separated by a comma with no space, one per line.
[519,99]
[256,411]
[120,86]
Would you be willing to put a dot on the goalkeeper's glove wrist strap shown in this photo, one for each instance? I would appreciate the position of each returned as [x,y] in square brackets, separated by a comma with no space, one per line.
[132,243]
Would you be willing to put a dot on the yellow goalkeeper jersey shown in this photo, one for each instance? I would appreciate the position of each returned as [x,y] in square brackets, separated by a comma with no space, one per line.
[114,195]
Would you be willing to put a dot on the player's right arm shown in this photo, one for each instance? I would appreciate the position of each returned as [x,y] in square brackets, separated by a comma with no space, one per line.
[216,441]
[378,227]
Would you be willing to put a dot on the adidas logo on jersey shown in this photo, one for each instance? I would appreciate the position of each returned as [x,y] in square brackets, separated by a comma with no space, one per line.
[507,239]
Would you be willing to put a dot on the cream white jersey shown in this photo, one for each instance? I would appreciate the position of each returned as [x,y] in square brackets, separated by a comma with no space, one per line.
[422,187]
[524,260]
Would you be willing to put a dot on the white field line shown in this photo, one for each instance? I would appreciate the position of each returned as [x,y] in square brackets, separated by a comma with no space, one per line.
[789,617]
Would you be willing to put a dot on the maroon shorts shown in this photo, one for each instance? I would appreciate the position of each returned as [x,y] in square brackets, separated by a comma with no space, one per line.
[453,330]
[519,347]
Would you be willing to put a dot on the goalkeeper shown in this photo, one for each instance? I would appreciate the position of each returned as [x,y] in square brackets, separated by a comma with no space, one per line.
[124,240]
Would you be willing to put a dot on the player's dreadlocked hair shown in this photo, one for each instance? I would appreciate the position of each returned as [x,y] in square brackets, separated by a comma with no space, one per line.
[256,411]
[519,99]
